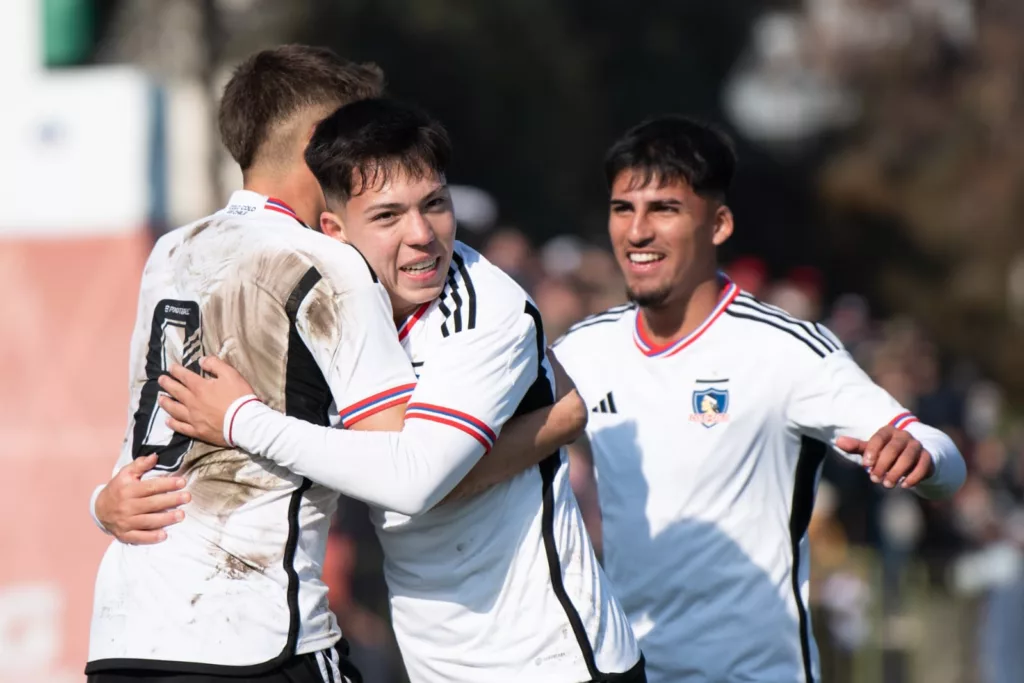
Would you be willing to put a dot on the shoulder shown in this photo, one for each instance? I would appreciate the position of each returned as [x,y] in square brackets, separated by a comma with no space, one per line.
[340,266]
[779,334]
[595,330]
[478,294]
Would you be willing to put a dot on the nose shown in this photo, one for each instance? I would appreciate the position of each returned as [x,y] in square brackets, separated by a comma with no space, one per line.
[640,232]
[421,232]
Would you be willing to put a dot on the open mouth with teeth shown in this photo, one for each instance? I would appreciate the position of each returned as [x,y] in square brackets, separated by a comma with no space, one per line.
[644,257]
[422,269]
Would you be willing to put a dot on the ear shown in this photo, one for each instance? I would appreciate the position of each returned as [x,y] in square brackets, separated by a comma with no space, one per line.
[723,226]
[332,226]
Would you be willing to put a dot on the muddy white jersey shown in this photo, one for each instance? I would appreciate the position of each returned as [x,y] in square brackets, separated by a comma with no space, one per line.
[236,586]
[707,453]
[500,587]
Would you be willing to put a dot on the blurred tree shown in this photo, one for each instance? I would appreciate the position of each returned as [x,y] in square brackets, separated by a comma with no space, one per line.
[533,90]
[925,201]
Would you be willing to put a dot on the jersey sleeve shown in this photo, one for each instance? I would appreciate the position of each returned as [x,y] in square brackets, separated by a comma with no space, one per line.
[471,384]
[835,397]
[357,350]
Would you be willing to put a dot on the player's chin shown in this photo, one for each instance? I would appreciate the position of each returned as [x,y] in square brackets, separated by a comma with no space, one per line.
[419,289]
[648,294]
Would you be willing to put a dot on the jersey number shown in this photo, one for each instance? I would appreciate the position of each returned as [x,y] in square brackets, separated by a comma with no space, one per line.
[176,336]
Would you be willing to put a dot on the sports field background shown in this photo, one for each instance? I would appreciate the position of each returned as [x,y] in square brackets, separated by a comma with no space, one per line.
[880,190]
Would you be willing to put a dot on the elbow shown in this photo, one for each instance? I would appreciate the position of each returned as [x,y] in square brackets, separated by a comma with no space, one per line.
[416,502]
[578,416]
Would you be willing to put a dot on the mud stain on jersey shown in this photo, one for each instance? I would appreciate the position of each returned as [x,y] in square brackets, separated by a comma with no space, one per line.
[199,229]
[322,316]
[221,481]
[236,567]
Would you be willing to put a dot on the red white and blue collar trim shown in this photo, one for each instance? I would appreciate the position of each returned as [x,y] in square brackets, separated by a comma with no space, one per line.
[652,350]
[247,202]
[279,206]
[406,327]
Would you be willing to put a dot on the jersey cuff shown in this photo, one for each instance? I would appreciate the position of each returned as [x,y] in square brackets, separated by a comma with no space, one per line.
[453,418]
[92,509]
[229,417]
[375,404]
[903,419]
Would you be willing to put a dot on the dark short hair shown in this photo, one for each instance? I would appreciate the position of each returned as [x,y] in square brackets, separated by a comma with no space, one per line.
[363,143]
[670,148]
[272,85]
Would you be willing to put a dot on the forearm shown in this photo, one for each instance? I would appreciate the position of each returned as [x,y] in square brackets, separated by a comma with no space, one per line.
[524,442]
[950,469]
[392,470]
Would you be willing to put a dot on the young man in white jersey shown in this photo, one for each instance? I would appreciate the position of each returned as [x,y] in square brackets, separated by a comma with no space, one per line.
[712,415]
[234,592]
[500,587]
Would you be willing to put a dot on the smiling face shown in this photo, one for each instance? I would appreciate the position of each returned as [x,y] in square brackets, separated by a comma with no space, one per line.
[405,228]
[664,236]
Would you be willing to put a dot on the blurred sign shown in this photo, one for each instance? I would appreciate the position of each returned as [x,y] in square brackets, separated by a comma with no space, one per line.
[81,154]
[75,176]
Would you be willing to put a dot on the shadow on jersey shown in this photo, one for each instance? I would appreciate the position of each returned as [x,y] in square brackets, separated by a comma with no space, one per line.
[715,565]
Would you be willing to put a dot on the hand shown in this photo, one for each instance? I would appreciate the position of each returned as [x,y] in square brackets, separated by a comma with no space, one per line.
[137,511]
[197,405]
[891,455]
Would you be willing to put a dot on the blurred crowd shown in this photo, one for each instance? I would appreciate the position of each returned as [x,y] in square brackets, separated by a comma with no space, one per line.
[968,550]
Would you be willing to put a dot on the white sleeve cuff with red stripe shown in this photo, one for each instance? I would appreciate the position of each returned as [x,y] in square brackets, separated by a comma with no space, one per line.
[453,418]
[232,414]
[375,404]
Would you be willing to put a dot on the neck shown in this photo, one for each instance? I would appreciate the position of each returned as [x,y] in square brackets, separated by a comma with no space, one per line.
[679,317]
[402,310]
[306,202]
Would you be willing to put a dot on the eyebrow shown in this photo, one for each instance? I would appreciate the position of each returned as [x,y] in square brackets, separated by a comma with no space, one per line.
[389,206]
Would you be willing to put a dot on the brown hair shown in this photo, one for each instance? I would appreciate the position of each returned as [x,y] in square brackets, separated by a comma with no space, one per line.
[271,86]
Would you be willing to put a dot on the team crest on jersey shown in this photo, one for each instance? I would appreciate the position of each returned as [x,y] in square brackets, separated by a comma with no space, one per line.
[710,407]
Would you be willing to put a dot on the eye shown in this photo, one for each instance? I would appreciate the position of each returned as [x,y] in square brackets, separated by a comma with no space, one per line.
[621,208]
[384,217]
[437,204]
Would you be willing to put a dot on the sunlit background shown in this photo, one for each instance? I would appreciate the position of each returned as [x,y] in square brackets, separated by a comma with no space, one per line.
[880,189]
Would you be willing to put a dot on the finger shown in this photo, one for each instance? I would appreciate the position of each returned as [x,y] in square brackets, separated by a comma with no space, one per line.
[887,458]
[875,444]
[175,409]
[904,463]
[190,379]
[157,486]
[212,365]
[176,389]
[142,537]
[850,444]
[155,521]
[163,502]
[139,466]
[922,470]
[183,428]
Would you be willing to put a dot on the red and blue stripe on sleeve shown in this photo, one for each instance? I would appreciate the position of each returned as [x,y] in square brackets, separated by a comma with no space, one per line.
[903,419]
[453,418]
[375,404]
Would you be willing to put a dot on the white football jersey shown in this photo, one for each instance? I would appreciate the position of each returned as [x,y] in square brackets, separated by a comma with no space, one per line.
[503,586]
[236,586]
[707,454]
